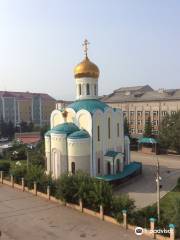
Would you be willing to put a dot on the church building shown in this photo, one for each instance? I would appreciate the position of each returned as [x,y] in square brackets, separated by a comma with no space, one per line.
[87,135]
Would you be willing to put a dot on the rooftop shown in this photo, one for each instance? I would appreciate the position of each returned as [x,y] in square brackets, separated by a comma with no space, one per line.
[63,128]
[91,105]
[79,134]
[141,94]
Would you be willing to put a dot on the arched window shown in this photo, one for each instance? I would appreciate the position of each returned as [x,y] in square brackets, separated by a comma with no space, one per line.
[95,90]
[99,165]
[108,168]
[109,128]
[73,168]
[98,133]
[117,166]
[79,89]
[87,89]
[117,129]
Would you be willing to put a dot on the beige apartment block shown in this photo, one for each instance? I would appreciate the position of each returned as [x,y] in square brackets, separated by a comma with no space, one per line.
[28,107]
[141,102]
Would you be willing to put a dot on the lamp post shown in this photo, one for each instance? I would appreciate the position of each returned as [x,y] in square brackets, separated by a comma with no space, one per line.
[158,179]
[19,126]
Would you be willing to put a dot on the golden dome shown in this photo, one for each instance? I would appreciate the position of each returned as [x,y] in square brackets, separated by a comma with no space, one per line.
[86,69]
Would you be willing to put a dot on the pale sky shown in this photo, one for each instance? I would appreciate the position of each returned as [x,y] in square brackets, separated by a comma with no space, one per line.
[133,42]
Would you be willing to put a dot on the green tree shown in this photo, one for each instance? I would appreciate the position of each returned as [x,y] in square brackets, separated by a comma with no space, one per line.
[170,132]
[126,127]
[148,128]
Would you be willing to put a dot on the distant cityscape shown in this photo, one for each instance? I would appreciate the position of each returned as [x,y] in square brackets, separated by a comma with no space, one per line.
[137,103]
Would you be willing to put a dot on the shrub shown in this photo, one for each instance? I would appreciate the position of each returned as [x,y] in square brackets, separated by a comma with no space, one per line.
[36,174]
[141,217]
[122,202]
[4,166]
[18,171]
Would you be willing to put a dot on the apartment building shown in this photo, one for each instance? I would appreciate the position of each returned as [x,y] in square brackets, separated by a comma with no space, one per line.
[26,106]
[141,102]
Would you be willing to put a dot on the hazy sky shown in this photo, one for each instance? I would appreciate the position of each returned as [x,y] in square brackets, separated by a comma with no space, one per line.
[133,42]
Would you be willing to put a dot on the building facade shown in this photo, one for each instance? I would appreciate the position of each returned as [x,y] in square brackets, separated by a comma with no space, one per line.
[142,102]
[87,134]
[27,107]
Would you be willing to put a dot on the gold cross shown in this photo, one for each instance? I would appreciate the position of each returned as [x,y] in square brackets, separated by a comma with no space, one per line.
[85,45]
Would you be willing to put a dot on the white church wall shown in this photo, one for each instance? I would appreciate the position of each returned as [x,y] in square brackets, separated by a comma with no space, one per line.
[98,119]
[59,145]
[79,154]
[56,118]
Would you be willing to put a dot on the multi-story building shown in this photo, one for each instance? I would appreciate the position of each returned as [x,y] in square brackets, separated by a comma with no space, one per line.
[142,102]
[26,106]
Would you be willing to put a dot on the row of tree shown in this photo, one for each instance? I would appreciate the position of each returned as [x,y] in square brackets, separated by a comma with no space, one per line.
[7,129]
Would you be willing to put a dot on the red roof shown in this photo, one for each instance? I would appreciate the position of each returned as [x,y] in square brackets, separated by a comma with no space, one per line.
[28,138]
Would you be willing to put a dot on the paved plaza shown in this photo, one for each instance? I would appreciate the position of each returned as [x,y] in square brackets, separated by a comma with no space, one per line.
[24,216]
[143,188]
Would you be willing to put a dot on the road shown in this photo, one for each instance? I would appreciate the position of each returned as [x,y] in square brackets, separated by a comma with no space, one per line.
[143,188]
[24,216]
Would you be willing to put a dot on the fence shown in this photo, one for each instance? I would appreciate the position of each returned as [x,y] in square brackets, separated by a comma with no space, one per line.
[151,232]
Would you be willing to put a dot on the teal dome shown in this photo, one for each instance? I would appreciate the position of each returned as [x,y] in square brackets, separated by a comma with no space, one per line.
[79,134]
[91,105]
[65,128]
[48,133]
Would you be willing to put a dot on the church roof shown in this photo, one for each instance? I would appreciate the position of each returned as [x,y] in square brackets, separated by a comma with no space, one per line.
[79,134]
[91,105]
[64,128]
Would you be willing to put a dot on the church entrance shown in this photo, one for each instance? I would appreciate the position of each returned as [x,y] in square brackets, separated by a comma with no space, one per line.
[108,168]
[117,166]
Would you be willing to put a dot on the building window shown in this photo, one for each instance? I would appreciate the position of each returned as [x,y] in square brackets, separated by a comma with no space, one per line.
[95,90]
[117,129]
[173,112]
[147,113]
[139,122]
[164,113]
[87,89]
[131,113]
[131,122]
[98,133]
[79,89]
[139,130]
[99,165]
[132,130]
[155,123]
[139,113]
[73,169]
[155,113]
[109,128]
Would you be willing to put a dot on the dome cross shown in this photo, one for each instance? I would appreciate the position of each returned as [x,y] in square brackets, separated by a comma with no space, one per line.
[85,45]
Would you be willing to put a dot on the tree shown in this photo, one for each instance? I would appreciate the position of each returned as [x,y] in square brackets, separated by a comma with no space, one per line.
[126,127]
[148,128]
[170,132]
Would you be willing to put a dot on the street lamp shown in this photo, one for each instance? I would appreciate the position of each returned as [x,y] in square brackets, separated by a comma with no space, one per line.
[19,126]
[158,179]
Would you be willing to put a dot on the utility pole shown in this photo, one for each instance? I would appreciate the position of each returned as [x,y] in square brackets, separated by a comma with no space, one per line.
[27,159]
[158,178]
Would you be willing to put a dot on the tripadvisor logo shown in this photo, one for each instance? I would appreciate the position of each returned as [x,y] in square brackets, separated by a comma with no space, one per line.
[139,231]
